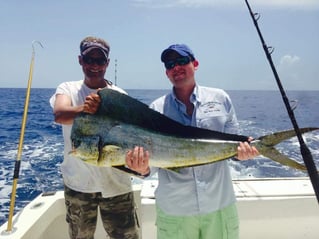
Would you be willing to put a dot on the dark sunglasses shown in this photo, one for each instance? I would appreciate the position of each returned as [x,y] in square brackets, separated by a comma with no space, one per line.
[91,60]
[181,61]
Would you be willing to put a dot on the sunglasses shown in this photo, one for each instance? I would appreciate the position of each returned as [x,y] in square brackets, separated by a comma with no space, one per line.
[181,61]
[90,60]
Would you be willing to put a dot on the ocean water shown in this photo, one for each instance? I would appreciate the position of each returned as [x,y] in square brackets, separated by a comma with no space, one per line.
[259,113]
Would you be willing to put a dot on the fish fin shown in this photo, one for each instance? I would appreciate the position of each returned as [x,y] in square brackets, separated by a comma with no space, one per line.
[276,138]
[125,169]
[278,157]
[114,105]
[175,170]
[267,142]
[109,155]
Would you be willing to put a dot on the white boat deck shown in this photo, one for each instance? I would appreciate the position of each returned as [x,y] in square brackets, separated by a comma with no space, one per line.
[268,208]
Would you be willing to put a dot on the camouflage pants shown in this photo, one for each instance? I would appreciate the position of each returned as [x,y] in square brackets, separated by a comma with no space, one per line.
[118,215]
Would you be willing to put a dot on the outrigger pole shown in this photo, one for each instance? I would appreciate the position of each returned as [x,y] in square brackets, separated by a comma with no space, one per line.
[305,152]
[18,160]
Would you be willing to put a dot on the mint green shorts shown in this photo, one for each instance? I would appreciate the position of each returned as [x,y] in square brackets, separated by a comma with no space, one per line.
[222,224]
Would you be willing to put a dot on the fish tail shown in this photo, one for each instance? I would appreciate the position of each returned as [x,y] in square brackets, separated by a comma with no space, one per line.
[276,138]
[278,157]
[268,150]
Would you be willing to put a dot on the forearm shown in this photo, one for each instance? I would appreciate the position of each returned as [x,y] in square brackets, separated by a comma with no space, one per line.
[66,115]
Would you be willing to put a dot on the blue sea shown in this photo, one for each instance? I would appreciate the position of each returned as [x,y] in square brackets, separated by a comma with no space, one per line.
[259,113]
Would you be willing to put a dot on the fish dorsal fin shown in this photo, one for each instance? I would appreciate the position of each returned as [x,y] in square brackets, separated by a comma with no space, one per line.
[115,104]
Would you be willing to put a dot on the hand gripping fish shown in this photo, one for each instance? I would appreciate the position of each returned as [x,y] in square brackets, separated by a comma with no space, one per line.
[123,122]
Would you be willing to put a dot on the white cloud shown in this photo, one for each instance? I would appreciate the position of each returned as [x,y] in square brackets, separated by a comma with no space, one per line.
[289,61]
[292,4]
[291,71]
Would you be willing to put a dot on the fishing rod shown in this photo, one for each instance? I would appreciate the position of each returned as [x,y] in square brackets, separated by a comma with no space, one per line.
[18,160]
[305,152]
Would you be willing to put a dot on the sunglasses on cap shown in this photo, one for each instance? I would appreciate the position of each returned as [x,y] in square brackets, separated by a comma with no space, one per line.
[91,60]
[181,61]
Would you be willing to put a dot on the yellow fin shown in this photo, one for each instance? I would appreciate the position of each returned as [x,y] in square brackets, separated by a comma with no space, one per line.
[111,155]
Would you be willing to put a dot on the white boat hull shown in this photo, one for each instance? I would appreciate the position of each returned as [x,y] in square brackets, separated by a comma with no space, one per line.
[268,208]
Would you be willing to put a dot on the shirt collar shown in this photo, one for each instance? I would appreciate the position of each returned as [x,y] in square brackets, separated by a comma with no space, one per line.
[196,95]
[194,98]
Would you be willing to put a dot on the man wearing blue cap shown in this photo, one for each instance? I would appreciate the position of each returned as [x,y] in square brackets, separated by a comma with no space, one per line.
[89,188]
[195,202]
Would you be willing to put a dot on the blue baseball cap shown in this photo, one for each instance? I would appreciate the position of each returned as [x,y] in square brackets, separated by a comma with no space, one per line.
[90,43]
[181,49]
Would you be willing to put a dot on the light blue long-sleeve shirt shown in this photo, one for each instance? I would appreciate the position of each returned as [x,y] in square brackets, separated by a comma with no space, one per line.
[200,189]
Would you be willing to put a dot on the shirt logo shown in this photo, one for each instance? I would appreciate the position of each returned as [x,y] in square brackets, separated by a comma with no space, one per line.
[211,107]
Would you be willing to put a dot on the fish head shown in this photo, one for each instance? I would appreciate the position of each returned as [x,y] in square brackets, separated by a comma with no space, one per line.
[86,149]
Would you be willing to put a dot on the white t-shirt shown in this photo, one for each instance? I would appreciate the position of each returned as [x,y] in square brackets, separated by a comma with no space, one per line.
[78,175]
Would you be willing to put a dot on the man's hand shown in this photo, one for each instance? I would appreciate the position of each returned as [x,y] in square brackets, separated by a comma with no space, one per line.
[246,151]
[138,160]
[91,103]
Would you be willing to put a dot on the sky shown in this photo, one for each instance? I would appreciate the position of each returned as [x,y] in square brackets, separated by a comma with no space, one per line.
[221,34]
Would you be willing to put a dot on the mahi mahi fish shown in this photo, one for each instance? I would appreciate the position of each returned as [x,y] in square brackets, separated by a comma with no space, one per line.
[123,122]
